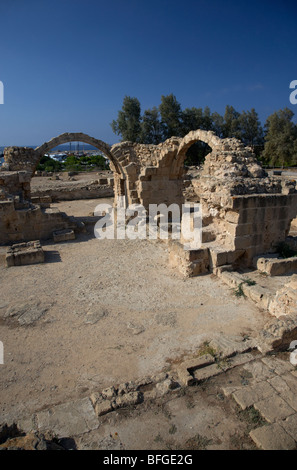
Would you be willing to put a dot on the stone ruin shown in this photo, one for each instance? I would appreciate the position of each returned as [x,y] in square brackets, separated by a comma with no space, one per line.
[245,212]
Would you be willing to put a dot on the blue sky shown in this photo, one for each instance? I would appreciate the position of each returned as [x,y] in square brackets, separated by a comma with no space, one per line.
[66,65]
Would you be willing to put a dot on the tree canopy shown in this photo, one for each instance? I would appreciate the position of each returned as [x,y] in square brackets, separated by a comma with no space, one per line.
[280,139]
[276,144]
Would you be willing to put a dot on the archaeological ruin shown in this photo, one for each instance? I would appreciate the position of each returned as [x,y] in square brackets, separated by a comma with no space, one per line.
[147,311]
[245,213]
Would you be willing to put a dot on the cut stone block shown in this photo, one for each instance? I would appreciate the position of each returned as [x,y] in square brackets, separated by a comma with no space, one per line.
[274,266]
[248,396]
[63,235]
[286,387]
[274,409]
[22,254]
[290,426]
[272,437]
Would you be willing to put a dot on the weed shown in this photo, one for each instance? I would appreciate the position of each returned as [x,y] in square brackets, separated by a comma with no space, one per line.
[158,438]
[250,282]
[172,429]
[198,442]
[239,290]
[223,364]
[206,349]
[252,417]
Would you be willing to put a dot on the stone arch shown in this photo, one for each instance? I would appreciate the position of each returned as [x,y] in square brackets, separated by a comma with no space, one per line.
[207,137]
[79,137]
[117,168]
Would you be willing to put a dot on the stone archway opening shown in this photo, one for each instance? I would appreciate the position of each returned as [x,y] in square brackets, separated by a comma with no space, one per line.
[196,154]
[79,137]
[197,143]
[73,157]
[113,183]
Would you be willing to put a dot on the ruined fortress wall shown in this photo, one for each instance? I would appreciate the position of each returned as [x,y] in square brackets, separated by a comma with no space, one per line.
[258,223]
[30,222]
[247,213]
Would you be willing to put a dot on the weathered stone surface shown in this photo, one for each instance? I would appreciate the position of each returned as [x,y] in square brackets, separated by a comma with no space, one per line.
[274,409]
[272,437]
[109,393]
[128,399]
[68,419]
[290,426]
[248,396]
[278,366]
[32,441]
[63,235]
[103,407]
[166,386]
[24,253]
[286,387]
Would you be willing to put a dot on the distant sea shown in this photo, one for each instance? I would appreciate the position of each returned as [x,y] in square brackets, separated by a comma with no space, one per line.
[62,147]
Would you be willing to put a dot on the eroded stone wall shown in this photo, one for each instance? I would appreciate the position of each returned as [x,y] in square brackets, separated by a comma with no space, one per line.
[245,213]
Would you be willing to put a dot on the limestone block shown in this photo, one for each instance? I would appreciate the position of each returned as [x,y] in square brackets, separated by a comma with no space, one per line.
[128,399]
[232,217]
[24,253]
[272,437]
[63,235]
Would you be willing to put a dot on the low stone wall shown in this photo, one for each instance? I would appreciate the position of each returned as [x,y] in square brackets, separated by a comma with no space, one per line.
[30,222]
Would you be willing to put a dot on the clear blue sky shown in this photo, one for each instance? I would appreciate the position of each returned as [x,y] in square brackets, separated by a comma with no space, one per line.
[66,65]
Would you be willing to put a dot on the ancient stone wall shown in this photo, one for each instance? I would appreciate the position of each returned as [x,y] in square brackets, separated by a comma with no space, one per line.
[30,222]
[245,213]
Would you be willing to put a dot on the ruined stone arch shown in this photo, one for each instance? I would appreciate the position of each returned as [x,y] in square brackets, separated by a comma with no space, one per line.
[79,137]
[117,168]
[207,137]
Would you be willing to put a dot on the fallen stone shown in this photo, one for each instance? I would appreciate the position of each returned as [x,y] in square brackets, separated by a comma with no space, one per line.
[109,393]
[128,399]
[63,235]
[22,254]
[103,407]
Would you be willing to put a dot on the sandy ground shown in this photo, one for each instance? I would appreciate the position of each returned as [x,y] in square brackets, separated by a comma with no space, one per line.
[42,183]
[101,312]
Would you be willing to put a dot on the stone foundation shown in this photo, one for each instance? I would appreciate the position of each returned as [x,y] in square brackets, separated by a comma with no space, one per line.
[24,253]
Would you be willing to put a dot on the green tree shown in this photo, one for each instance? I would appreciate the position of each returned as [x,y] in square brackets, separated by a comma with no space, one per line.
[217,124]
[127,125]
[49,164]
[250,128]
[192,119]
[151,128]
[171,116]
[231,123]
[72,163]
[207,119]
[280,139]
